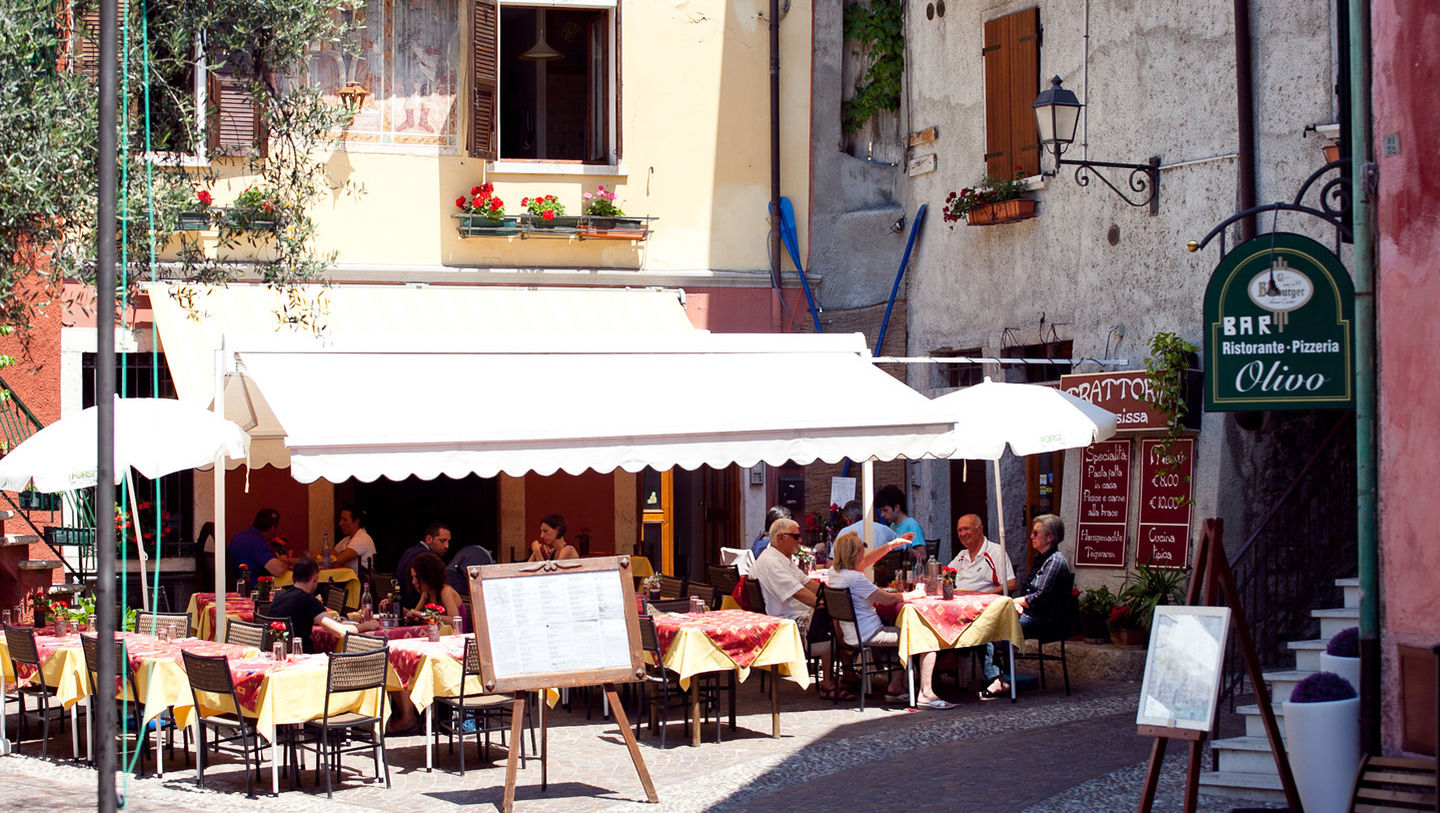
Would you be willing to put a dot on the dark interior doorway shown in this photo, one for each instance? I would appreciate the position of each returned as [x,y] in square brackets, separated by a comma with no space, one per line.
[399,512]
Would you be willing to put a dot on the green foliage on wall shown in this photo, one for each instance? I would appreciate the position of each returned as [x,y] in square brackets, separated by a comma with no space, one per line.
[879,29]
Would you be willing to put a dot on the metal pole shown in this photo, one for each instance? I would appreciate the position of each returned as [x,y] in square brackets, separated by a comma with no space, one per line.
[105,607]
[1245,114]
[775,147]
[1367,548]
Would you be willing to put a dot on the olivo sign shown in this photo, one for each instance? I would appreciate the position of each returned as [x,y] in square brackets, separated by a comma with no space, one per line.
[1279,311]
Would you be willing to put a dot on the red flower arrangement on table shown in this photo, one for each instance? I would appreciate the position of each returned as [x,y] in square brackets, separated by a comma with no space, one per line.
[432,613]
[279,631]
[948,574]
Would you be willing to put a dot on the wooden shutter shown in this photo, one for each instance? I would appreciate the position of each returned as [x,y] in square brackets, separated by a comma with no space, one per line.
[85,41]
[619,106]
[484,77]
[235,124]
[1012,81]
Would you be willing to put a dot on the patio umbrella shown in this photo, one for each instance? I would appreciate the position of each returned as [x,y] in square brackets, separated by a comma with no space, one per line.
[154,436]
[1030,419]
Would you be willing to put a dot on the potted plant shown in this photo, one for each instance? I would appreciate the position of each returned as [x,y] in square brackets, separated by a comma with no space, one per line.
[482,212]
[602,218]
[432,613]
[39,605]
[1148,586]
[1342,655]
[1126,630]
[200,217]
[547,212]
[1322,731]
[279,635]
[256,208]
[265,585]
[1095,606]
[32,500]
[992,202]
[60,617]
[947,582]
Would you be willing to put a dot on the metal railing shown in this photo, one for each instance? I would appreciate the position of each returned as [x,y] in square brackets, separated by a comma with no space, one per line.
[1288,565]
[19,423]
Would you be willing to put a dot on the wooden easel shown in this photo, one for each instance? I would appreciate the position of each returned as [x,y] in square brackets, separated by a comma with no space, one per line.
[563,676]
[1212,579]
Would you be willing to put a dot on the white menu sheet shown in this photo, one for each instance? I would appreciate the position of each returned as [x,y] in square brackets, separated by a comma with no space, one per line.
[561,622]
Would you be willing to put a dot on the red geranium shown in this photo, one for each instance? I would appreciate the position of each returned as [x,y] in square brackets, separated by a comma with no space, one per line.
[204,197]
[483,202]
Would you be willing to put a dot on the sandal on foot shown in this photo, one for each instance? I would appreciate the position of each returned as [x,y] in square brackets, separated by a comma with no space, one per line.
[936,703]
[838,693]
[988,694]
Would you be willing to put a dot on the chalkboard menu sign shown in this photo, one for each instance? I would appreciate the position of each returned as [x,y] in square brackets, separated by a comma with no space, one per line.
[1104,504]
[1165,503]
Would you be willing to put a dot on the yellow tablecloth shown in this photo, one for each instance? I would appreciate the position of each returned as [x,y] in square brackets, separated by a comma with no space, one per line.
[438,675]
[692,653]
[999,622]
[338,575]
[204,623]
[295,693]
[64,669]
[161,683]
[640,567]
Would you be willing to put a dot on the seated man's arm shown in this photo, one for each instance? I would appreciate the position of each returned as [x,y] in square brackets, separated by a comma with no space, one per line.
[805,595]
[343,555]
[276,566]
[336,627]
[877,553]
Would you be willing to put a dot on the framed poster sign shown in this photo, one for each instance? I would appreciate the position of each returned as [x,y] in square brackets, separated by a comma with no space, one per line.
[554,624]
[1181,688]
[1104,504]
[1165,502]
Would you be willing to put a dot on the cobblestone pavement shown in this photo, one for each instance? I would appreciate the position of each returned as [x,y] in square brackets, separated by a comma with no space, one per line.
[1047,753]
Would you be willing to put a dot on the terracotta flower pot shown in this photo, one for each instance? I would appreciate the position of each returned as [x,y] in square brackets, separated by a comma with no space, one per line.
[1005,211]
[1130,638]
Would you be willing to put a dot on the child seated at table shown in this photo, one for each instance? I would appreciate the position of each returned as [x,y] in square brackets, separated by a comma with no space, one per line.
[864,596]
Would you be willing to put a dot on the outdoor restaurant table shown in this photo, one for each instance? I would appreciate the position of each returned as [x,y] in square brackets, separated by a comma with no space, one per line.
[730,640]
[969,619]
[322,640]
[202,612]
[287,692]
[337,575]
[425,669]
[62,665]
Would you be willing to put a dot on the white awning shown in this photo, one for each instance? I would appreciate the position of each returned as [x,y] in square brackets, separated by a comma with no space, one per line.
[602,404]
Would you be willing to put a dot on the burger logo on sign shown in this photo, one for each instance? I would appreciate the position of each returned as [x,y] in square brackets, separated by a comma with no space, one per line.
[1280,289]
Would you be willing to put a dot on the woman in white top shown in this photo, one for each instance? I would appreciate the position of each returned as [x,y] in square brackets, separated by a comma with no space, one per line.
[357,548]
[864,596]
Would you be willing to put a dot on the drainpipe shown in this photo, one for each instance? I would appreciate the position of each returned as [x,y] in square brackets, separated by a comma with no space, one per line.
[775,147]
[1245,120]
[1367,547]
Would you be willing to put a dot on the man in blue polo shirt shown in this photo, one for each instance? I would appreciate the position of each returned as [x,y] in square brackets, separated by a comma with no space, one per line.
[251,548]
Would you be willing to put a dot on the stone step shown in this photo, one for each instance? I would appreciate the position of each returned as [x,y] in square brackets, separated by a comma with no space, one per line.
[15,540]
[1307,653]
[1335,619]
[6,514]
[1232,785]
[1255,724]
[1351,587]
[1281,683]
[41,564]
[1244,755]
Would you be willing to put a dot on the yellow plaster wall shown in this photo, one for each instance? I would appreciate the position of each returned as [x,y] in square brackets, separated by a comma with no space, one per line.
[696,153]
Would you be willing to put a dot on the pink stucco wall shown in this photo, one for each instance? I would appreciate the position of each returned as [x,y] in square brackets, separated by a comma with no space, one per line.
[1408,286]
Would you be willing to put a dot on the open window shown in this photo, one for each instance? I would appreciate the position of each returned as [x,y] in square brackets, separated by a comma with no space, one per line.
[545,81]
[1012,81]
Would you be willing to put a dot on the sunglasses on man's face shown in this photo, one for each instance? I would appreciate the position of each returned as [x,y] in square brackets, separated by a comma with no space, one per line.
[792,536]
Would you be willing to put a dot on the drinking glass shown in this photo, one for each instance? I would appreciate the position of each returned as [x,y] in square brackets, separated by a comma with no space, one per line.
[91,622]
[277,651]
[5,617]
[296,650]
[457,625]
[163,633]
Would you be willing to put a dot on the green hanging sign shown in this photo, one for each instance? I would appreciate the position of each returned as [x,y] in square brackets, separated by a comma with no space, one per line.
[1279,316]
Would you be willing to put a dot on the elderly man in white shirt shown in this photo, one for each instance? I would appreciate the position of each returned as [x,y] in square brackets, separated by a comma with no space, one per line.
[788,594]
[982,566]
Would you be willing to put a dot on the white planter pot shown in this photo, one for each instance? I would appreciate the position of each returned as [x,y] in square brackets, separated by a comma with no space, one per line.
[1323,740]
[1348,668]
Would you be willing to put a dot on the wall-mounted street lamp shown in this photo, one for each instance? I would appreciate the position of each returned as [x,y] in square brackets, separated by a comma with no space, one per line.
[1057,112]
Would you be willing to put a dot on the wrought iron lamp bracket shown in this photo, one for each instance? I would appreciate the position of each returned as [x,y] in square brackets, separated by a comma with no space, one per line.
[1143,183]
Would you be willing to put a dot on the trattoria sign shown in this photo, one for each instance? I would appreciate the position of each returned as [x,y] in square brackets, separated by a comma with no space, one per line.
[1279,315]
[1122,393]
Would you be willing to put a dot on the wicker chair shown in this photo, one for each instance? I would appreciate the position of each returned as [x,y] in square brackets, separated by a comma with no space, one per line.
[234,732]
[152,623]
[245,633]
[491,712]
[341,732]
[724,577]
[754,596]
[842,611]
[678,605]
[357,642]
[707,594]
[671,587]
[24,652]
[126,703]
[270,634]
[335,597]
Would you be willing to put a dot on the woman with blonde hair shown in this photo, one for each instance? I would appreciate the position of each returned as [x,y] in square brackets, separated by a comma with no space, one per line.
[864,596]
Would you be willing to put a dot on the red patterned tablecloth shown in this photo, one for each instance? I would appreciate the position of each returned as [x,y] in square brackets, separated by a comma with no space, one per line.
[322,640]
[47,645]
[950,618]
[405,653]
[739,633]
[142,648]
[236,606]
[249,673]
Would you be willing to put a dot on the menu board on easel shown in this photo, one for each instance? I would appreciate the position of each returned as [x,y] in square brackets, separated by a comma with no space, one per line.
[556,623]
[1104,504]
[1165,502]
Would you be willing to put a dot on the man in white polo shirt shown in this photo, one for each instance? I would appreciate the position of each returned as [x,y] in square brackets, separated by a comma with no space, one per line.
[789,594]
[982,566]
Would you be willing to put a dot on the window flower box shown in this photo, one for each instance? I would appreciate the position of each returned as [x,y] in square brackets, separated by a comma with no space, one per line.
[193,221]
[1005,211]
[596,227]
[474,225]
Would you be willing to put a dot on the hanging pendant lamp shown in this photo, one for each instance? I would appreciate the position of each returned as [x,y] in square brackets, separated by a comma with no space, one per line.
[541,50]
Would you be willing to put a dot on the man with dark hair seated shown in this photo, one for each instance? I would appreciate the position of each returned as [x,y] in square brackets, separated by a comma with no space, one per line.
[299,604]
